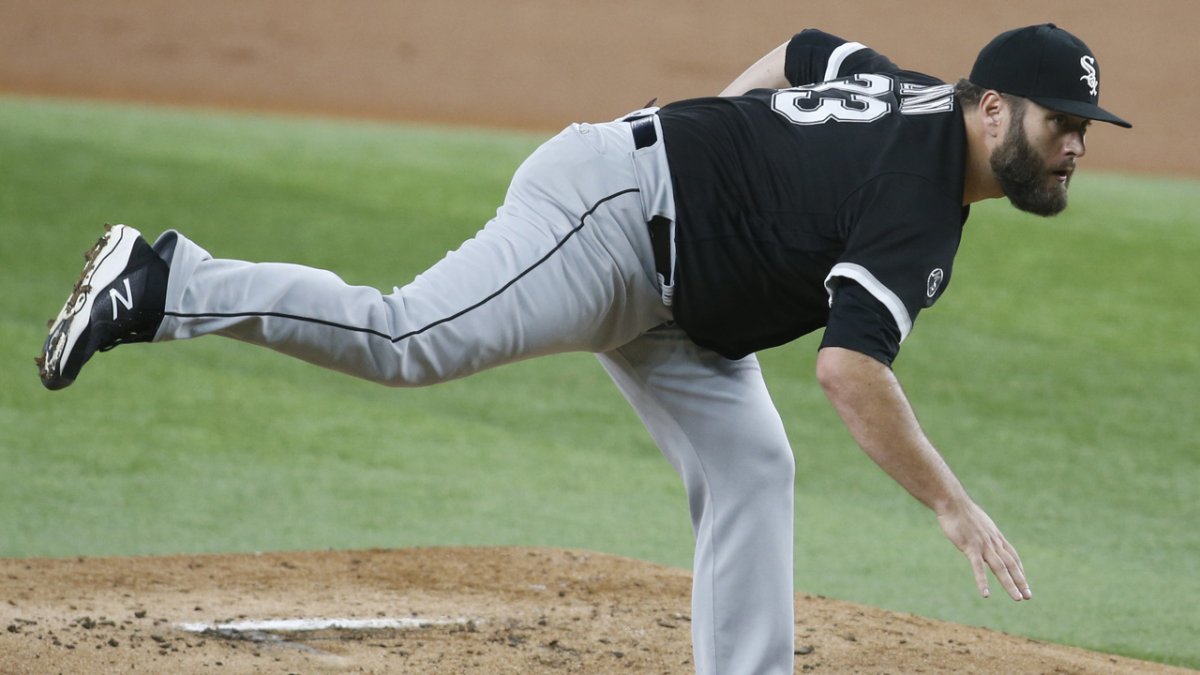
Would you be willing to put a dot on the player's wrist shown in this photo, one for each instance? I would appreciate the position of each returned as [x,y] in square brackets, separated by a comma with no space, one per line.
[954,502]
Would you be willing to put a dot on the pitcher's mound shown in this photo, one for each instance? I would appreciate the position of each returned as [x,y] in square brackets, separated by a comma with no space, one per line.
[440,610]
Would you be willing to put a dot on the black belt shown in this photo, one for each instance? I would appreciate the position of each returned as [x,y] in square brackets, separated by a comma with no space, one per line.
[644,134]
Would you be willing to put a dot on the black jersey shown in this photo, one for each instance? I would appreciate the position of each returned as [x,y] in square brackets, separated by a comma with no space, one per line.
[844,192]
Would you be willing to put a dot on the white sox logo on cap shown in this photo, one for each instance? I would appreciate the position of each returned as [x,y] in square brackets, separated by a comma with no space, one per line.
[1089,69]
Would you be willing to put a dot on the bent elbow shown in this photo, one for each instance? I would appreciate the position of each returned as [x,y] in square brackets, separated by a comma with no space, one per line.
[831,369]
[840,370]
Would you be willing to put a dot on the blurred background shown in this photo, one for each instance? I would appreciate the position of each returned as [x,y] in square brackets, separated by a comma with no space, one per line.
[541,64]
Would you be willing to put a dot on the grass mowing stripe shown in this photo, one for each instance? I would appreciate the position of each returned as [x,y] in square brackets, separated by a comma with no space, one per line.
[1058,375]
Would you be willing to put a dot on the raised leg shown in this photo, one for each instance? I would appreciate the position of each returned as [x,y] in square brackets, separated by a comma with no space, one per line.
[566,265]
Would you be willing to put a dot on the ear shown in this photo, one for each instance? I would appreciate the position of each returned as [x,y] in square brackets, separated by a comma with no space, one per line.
[992,110]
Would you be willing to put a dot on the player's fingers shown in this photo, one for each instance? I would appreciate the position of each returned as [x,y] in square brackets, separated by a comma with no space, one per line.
[1007,556]
[1004,567]
[1019,572]
[980,569]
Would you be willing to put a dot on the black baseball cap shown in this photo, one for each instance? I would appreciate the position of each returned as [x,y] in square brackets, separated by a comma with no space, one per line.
[1048,66]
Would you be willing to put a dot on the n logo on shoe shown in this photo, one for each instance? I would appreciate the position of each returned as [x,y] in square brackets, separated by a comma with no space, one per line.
[127,300]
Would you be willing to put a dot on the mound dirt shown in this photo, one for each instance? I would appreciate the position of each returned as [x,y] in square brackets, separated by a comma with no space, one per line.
[441,610]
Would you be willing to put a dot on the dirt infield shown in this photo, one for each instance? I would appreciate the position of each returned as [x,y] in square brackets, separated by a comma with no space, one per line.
[450,610]
[529,64]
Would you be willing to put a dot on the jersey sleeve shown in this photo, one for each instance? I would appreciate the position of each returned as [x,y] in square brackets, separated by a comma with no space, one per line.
[903,236]
[858,321]
[815,56]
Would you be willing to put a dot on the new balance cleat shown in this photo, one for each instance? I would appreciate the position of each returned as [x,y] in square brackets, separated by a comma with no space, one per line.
[119,298]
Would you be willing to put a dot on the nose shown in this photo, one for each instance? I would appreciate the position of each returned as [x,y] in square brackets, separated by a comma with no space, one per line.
[1076,146]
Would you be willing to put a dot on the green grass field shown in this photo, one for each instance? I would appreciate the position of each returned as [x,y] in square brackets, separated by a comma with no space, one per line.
[1059,375]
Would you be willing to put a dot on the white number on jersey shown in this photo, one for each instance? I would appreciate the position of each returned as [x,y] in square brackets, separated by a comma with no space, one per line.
[859,98]
[853,99]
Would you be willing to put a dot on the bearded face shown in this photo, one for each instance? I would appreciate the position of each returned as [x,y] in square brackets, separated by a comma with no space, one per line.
[1028,180]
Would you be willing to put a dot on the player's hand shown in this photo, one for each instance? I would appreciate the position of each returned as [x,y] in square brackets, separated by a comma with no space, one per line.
[974,533]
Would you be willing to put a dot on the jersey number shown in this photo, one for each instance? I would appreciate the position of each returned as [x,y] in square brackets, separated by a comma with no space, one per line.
[855,99]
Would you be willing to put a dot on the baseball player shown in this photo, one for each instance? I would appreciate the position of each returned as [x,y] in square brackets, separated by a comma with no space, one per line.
[827,188]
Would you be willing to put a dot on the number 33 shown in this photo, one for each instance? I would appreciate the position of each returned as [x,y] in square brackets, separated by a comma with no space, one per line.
[853,99]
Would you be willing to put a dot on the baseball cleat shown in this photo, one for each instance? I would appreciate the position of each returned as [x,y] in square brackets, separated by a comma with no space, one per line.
[119,298]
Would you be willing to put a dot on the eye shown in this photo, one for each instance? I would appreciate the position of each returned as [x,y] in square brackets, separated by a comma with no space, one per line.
[1068,123]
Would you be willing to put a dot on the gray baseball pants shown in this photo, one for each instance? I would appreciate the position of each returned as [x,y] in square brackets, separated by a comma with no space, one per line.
[566,265]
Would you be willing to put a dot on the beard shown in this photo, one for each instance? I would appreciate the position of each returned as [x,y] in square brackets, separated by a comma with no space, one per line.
[1023,175]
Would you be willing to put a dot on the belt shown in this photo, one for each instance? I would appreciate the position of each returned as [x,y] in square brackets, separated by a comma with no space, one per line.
[644,134]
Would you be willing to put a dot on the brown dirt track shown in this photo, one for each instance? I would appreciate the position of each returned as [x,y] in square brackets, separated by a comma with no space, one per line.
[529,611]
[534,64]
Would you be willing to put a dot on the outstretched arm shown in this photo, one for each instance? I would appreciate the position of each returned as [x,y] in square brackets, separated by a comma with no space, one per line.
[767,73]
[870,401]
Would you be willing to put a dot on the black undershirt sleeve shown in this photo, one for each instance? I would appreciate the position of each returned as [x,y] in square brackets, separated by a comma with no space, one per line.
[859,322]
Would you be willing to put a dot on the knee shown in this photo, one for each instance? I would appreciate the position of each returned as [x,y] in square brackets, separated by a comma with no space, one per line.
[412,363]
[409,377]
[773,466]
[758,484]
[765,448]
[758,470]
